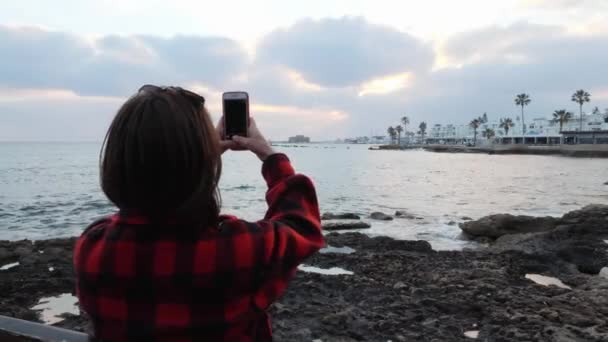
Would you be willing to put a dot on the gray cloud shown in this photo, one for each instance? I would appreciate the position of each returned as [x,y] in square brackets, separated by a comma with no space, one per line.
[346,51]
[496,63]
[113,65]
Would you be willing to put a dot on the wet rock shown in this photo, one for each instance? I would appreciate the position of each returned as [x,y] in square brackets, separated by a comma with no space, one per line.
[403,290]
[376,215]
[495,226]
[452,223]
[340,216]
[344,225]
[466,218]
[605,183]
[405,215]
[399,285]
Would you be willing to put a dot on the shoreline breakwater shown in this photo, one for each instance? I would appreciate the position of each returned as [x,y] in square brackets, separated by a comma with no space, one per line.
[582,151]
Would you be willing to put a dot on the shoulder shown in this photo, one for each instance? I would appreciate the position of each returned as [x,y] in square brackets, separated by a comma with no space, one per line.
[97,228]
[229,224]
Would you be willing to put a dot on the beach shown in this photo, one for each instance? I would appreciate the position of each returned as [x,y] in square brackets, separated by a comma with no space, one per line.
[362,288]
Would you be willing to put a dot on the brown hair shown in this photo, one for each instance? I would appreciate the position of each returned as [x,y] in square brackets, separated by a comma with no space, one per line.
[161,158]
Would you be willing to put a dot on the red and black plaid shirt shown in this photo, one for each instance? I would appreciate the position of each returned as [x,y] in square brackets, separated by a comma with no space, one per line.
[146,281]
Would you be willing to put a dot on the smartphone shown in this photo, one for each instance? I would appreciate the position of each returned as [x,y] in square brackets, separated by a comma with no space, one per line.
[236,113]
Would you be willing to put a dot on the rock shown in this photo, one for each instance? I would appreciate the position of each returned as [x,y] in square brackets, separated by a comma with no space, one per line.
[495,226]
[401,290]
[452,223]
[340,216]
[466,218]
[399,285]
[606,183]
[344,224]
[359,241]
[404,214]
[376,215]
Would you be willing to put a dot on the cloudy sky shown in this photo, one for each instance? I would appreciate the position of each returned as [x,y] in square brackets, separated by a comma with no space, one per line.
[324,68]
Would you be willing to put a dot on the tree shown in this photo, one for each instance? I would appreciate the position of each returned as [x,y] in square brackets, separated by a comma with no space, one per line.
[399,129]
[405,121]
[475,125]
[488,133]
[506,124]
[580,96]
[596,111]
[562,116]
[484,118]
[391,133]
[522,100]
[422,129]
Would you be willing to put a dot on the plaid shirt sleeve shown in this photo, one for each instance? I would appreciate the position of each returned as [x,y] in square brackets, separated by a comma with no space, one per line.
[166,281]
[290,231]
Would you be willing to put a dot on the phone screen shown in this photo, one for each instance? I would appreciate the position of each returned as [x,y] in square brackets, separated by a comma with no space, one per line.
[235,116]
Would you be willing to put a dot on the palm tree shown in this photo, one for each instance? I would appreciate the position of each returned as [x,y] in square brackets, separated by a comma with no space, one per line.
[562,116]
[580,96]
[484,118]
[596,110]
[391,133]
[405,121]
[522,100]
[488,133]
[422,129]
[475,125]
[506,124]
[399,129]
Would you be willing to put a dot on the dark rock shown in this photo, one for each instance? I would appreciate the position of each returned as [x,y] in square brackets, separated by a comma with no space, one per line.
[466,218]
[376,215]
[401,290]
[606,183]
[495,226]
[452,223]
[405,215]
[340,216]
[344,224]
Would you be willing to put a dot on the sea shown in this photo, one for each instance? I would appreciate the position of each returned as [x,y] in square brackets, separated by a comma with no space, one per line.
[50,190]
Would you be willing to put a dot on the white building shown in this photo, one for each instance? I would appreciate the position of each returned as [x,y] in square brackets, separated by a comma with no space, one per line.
[538,130]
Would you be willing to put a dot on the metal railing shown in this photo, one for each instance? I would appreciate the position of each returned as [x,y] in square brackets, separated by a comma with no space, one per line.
[18,330]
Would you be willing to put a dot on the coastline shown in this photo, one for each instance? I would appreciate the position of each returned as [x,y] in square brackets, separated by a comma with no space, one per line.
[581,151]
[400,290]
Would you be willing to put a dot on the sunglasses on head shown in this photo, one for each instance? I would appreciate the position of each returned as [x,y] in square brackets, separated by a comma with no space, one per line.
[196,99]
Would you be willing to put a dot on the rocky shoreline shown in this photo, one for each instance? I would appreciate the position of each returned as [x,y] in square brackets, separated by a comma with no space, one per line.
[403,290]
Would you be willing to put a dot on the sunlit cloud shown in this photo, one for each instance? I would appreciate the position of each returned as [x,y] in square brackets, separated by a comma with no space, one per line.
[386,85]
[291,111]
[299,81]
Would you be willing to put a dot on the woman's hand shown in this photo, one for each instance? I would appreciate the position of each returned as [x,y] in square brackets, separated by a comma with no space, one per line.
[225,145]
[254,142]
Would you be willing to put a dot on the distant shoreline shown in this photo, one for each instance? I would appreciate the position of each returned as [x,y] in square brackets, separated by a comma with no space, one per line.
[582,151]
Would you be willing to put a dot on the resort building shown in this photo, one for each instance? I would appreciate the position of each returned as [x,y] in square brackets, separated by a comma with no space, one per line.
[299,139]
[539,131]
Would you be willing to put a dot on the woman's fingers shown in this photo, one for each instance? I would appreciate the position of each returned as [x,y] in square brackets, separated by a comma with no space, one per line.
[220,128]
[242,141]
[226,145]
